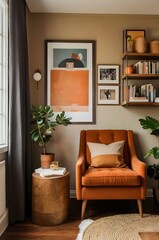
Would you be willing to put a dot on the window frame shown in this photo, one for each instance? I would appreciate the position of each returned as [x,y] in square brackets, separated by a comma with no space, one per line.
[4,76]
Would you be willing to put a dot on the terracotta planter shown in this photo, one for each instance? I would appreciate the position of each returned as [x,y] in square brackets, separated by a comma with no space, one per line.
[46,159]
[129,70]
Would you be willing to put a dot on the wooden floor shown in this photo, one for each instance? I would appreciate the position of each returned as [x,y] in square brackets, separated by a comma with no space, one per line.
[69,230]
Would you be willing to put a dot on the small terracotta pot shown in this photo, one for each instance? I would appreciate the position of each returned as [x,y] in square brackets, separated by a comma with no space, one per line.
[129,70]
[46,159]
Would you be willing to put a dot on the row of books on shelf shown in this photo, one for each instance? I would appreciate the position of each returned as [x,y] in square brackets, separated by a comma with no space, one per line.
[146,67]
[143,93]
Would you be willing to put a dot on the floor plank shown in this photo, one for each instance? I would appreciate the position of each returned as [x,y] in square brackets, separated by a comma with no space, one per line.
[69,230]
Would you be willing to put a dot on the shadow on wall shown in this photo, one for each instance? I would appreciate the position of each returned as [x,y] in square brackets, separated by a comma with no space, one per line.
[138,147]
[65,149]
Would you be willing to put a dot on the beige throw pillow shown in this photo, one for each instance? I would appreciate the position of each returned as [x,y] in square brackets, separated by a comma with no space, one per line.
[109,156]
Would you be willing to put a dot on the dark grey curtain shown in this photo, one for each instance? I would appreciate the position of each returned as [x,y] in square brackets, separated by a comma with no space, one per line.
[19,167]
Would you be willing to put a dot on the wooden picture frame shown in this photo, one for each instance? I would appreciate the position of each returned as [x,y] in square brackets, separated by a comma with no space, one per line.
[108,95]
[108,74]
[133,33]
[70,78]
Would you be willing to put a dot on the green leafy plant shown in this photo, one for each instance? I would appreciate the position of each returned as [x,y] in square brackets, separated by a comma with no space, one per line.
[43,126]
[153,125]
[129,38]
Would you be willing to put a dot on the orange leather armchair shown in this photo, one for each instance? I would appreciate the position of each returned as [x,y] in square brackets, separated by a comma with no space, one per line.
[109,183]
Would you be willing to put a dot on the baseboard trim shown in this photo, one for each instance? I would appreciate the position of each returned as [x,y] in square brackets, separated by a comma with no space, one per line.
[4,222]
[72,193]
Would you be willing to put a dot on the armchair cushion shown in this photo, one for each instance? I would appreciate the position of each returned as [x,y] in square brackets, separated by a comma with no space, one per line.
[110,177]
[107,161]
[107,155]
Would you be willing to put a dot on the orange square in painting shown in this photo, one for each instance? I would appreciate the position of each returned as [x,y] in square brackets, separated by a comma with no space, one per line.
[70,88]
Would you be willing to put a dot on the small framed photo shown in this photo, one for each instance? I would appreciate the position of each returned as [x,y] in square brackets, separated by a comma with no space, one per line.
[108,95]
[108,74]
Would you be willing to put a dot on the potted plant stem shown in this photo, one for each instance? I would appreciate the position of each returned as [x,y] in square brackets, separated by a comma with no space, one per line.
[43,128]
[130,43]
[153,169]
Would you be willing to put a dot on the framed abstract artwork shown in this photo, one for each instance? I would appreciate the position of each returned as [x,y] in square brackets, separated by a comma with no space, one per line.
[70,78]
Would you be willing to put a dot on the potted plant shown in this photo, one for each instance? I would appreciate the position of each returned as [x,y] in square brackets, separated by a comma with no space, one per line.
[43,128]
[153,169]
[130,43]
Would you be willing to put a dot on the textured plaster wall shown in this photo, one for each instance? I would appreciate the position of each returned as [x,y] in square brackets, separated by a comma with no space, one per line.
[107,31]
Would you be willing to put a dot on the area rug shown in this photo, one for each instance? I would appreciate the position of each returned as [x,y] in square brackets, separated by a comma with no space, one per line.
[118,227]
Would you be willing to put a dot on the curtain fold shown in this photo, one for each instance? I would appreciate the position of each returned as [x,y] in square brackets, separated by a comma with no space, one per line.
[19,165]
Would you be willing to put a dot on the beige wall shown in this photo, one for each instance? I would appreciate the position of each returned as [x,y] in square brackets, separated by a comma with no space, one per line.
[107,31]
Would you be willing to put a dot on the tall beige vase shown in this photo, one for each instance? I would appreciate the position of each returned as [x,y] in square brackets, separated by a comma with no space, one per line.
[141,45]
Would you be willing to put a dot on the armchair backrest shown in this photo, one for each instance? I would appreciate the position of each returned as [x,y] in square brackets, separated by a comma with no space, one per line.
[107,137]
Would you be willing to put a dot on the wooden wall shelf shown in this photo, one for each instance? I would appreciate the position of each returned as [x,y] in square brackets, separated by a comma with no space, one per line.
[130,79]
[140,76]
[139,56]
[140,104]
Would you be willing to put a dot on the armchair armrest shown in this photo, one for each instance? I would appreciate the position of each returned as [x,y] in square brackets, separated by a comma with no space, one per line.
[137,165]
[140,168]
[80,165]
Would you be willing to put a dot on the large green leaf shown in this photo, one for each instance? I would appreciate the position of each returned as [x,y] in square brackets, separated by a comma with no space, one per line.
[62,119]
[154,151]
[35,136]
[47,108]
[150,123]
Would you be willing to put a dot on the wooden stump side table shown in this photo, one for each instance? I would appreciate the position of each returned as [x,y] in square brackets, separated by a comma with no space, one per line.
[50,199]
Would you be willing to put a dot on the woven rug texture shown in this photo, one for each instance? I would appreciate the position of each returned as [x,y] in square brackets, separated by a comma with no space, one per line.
[119,227]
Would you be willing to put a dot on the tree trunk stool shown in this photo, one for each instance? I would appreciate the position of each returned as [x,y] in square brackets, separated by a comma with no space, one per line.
[50,199]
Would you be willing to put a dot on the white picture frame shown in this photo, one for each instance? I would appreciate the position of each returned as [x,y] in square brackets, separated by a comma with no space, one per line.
[108,74]
[108,95]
